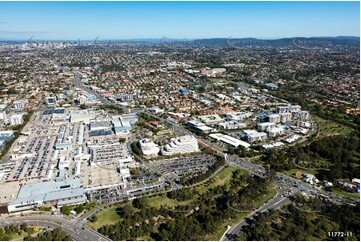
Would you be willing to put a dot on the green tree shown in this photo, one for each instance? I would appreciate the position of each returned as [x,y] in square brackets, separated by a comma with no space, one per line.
[66,209]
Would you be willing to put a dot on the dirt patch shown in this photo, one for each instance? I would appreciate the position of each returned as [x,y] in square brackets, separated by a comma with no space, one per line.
[298,175]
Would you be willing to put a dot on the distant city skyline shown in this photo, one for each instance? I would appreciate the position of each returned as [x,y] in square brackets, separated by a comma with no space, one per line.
[176,20]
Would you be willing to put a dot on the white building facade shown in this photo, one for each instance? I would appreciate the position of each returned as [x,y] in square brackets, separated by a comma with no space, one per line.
[181,145]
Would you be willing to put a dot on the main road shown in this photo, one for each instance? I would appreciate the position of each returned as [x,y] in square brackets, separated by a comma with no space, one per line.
[278,201]
[76,230]
[78,84]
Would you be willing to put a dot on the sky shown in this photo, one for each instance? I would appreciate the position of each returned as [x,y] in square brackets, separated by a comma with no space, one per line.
[191,20]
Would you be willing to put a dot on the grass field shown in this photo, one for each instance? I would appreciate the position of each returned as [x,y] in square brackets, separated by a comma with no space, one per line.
[165,201]
[17,237]
[216,236]
[145,238]
[347,194]
[222,178]
[265,197]
[106,216]
[219,180]
[254,159]
[292,172]
[329,128]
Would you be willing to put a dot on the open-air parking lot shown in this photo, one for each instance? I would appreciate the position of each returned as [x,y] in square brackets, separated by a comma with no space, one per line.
[142,176]
[33,159]
[186,165]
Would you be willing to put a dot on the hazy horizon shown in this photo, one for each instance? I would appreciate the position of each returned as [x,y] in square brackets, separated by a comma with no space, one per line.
[176,39]
[177,20]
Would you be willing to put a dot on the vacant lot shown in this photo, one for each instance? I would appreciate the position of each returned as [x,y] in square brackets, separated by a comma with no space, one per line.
[329,128]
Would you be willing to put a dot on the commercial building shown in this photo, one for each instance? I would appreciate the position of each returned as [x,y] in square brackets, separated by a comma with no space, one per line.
[149,148]
[253,136]
[238,116]
[6,135]
[2,115]
[58,118]
[288,109]
[48,193]
[132,118]
[309,178]
[90,97]
[273,145]
[16,119]
[276,131]
[82,116]
[292,138]
[271,85]
[215,72]
[124,173]
[100,128]
[125,97]
[122,124]
[265,126]
[19,104]
[274,118]
[63,146]
[199,126]
[304,124]
[285,117]
[210,119]
[181,145]
[80,135]
[155,110]
[50,101]
[301,131]
[303,115]
[232,125]
[82,99]
[229,140]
